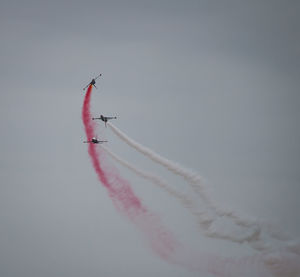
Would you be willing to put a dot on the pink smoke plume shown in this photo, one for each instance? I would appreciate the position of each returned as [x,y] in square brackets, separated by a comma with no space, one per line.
[122,195]
[162,241]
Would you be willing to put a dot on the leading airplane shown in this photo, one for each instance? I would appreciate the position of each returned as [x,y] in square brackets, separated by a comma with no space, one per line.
[93,82]
[95,140]
[105,118]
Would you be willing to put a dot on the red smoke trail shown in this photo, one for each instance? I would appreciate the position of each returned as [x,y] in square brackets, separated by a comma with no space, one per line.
[160,239]
[122,195]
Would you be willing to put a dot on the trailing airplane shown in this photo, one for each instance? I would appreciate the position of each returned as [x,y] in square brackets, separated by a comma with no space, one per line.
[105,118]
[95,140]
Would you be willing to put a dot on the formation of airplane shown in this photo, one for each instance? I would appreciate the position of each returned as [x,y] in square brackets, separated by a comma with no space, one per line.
[102,117]
[105,118]
[95,140]
[93,82]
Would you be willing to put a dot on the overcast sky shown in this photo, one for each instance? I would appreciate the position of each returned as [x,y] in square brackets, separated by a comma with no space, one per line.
[213,85]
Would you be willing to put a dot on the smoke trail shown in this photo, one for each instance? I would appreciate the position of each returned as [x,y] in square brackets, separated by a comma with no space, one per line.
[204,218]
[191,177]
[280,263]
[185,201]
[123,197]
[259,228]
[160,239]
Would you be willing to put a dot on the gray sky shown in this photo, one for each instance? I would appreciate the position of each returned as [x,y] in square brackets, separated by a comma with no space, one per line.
[213,85]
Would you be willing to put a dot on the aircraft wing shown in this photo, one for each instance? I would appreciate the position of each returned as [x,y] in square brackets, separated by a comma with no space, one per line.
[86,87]
[98,76]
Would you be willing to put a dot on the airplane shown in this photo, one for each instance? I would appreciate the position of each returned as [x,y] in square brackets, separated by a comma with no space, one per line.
[95,140]
[105,118]
[93,82]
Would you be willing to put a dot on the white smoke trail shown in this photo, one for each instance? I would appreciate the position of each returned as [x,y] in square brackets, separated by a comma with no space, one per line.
[152,178]
[204,218]
[192,177]
[256,238]
[276,264]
